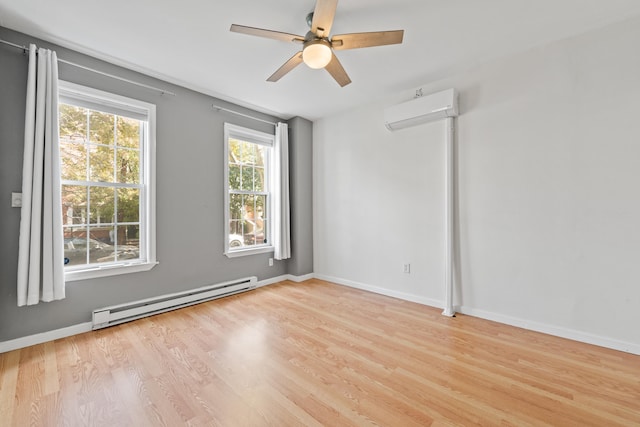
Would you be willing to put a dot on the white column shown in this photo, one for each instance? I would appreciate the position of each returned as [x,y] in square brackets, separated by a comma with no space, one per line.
[449,218]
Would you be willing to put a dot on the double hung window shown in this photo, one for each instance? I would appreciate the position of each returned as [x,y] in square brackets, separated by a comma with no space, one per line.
[248,192]
[107,150]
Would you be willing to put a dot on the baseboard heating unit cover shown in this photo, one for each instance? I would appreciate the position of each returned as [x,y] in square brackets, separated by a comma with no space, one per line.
[114,315]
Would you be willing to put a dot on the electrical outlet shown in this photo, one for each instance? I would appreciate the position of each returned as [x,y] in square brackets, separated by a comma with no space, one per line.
[16,200]
[406,268]
[270,262]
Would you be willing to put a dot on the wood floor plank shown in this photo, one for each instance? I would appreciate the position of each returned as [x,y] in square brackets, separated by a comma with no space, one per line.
[9,366]
[316,354]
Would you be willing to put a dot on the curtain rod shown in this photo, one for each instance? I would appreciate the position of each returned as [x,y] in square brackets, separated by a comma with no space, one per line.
[73,64]
[217,107]
[13,45]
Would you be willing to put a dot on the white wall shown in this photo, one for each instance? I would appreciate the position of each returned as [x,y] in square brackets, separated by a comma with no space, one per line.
[549,192]
[378,202]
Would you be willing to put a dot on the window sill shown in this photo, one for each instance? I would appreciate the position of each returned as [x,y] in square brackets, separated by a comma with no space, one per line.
[107,270]
[251,251]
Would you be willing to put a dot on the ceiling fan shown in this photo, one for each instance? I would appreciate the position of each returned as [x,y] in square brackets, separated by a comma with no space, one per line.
[317,46]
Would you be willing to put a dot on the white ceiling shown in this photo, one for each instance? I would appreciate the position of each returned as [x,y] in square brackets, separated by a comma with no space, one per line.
[188,42]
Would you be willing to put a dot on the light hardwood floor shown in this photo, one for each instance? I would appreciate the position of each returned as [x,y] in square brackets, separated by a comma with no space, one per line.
[317,354]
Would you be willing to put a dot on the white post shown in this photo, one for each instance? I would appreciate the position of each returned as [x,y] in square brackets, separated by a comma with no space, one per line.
[449,247]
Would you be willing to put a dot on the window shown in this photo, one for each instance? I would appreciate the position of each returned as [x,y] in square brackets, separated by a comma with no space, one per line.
[107,149]
[247,191]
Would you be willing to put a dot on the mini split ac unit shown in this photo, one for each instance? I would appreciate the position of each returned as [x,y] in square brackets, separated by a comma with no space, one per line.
[421,110]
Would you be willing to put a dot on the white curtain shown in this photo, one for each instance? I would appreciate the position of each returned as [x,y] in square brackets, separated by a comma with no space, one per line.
[280,206]
[41,246]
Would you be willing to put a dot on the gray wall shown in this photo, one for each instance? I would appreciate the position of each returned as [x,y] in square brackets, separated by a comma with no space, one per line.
[300,149]
[190,209]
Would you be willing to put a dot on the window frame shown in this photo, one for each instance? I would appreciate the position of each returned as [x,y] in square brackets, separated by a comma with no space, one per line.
[232,131]
[87,97]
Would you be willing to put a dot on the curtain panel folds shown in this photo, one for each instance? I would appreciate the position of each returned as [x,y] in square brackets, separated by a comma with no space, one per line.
[41,244]
[281,209]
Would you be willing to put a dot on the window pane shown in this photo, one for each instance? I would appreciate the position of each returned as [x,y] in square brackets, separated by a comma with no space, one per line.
[100,163]
[128,166]
[247,178]
[101,204]
[261,202]
[264,232]
[74,204]
[128,132]
[73,123]
[235,206]
[101,127]
[234,151]
[249,153]
[235,238]
[131,234]
[249,217]
[245,232]
[128,242]
[73,159]
[247,206]
[99,244]
[75,245]
[235,227]
[234,177]
[260,154]
[258,179]
[128,205]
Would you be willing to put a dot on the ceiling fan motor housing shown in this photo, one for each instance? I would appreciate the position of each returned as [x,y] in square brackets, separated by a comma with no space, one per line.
[317,53]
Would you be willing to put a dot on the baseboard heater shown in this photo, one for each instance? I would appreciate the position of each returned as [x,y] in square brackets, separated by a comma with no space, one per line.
[114,315]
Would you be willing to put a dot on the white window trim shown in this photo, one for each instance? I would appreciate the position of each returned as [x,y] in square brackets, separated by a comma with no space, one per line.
[249,251]
[148,220]
[107,270]
[256,137]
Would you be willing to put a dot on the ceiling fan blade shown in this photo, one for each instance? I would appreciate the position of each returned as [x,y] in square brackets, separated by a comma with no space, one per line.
[269,34]
[358,40]
[337,72]
[323,16]
[292,63]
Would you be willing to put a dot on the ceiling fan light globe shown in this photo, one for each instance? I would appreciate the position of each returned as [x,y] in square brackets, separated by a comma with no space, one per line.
[317,55]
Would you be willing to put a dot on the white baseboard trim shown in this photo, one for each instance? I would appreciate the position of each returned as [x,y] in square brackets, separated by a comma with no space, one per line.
[382,291]
[544,328]
[557,331]
[44,337]
[302,278]
[283,277]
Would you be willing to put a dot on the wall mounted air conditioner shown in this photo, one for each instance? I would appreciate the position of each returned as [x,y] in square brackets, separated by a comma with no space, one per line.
[421,110]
